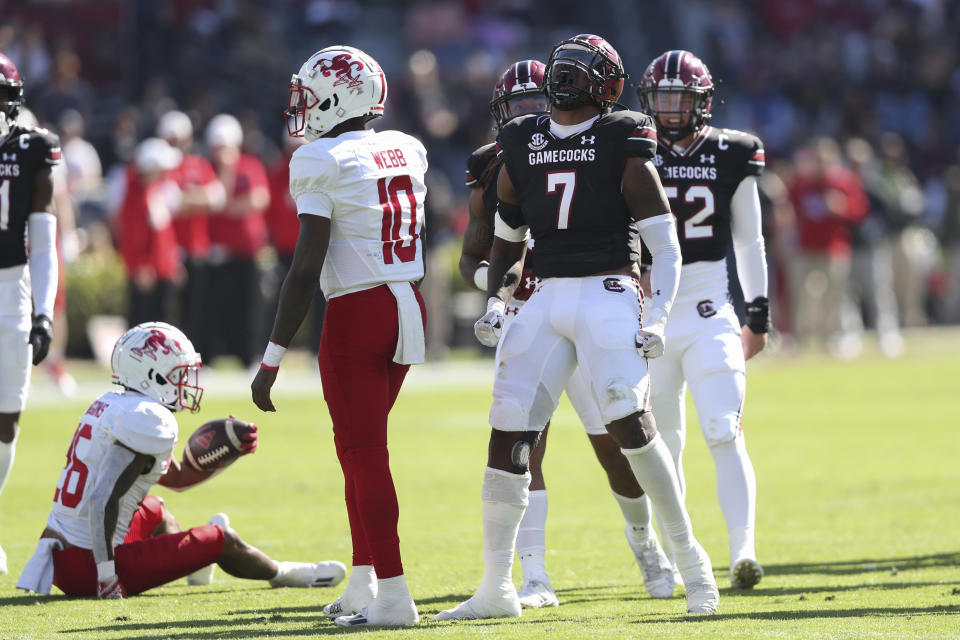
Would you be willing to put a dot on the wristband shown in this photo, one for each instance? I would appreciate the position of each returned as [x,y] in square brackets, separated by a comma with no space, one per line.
[106,570]
[480,277]
[272,356]
[758,315]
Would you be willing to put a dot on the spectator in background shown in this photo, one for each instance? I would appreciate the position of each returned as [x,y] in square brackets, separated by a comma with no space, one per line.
[903,200]
[201,194]
[66,89]
[237,234]
[780,236]
[950,239]
[84,171]
[829,202]
[144,231]
[871,262]
[283,226]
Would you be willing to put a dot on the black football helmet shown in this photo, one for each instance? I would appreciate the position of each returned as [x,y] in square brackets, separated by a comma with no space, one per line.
[584,70]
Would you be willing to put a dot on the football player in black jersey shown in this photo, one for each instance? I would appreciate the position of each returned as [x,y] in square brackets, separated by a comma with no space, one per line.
[710,174]
[26,217]
[519,92]
[581,183]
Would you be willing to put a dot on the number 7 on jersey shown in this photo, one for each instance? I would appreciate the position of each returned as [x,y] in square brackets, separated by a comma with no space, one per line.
[566,183]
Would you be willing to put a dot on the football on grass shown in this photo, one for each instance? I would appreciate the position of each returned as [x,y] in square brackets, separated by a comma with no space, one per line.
[217,444]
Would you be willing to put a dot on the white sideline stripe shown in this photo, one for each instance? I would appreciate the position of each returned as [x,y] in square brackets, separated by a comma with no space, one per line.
[293,382]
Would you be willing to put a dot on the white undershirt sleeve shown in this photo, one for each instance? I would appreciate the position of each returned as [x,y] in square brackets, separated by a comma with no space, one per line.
[659,235]
[44,271]
[748,245]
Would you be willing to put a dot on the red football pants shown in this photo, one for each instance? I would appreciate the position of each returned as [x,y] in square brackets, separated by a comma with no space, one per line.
[143,561]
[360,384]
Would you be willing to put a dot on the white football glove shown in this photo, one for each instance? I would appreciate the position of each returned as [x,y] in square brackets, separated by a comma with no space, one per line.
[490,326]
[650,342]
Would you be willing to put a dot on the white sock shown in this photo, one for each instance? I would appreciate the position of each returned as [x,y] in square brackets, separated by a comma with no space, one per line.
[532,536]
[393,589]
[8,451]
[363,579]
[654,470]
[636,513]
[737,493]
[505,497]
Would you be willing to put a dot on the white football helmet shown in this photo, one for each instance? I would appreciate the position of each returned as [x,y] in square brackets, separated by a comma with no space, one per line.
[159,361]
[335,84]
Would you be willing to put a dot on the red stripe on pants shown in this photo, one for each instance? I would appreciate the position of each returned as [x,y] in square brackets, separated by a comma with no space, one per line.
[360,384]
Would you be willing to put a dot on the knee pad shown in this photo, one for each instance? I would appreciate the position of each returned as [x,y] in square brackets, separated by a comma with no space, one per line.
[508,414]
[721,429]
[618,400]
[508,488]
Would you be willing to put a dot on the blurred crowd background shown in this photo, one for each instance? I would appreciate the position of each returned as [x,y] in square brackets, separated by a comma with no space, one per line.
[855,101]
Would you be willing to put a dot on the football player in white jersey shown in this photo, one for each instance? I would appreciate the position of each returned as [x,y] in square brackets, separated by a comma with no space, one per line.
[105,536]
[710,176]
[28,279]
[359,196]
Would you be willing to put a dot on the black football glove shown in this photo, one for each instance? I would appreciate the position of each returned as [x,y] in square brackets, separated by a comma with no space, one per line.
[40,336]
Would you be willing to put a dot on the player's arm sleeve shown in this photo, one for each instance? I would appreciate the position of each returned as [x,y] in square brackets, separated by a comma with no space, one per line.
[659,235]
[642,139]
[311,178]
[118,470]
[42,231]
[748,245]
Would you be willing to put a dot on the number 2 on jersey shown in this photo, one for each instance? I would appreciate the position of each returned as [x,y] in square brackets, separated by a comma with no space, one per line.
[566,181]
[696,227]
[74,477]
[393,241]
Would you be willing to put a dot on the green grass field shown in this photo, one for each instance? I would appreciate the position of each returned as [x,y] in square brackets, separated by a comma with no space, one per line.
[859,507]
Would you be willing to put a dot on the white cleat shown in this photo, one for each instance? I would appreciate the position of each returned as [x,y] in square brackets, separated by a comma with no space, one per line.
[3,562]
[377,614]
[536,593]
[703,597]
[305,574]
[350,603]
[505,604]
[204,576]
[745,573]
[654,566]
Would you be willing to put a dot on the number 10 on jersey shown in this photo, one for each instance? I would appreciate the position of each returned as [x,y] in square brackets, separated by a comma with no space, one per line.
[404,247]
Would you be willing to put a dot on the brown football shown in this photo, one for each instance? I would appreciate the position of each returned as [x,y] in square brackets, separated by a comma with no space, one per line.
[219,443]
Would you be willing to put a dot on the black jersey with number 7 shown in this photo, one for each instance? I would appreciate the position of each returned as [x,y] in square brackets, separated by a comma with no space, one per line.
[569,190]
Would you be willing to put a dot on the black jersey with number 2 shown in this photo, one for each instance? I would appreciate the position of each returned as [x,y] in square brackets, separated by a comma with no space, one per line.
[569,190]
[24,152]
[700,182]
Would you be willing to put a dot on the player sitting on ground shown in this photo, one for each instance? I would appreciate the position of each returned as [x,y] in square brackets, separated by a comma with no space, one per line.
[105,536]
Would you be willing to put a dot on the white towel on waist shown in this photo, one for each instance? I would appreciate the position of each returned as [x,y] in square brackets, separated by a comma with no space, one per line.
[37,575]
[411,343]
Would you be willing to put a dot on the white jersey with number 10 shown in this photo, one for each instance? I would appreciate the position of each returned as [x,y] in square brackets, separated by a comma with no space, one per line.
[371,186]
